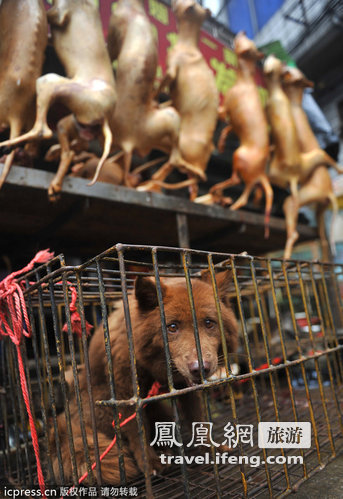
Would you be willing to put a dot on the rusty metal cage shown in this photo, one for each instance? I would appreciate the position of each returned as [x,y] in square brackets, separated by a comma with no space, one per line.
[287,367]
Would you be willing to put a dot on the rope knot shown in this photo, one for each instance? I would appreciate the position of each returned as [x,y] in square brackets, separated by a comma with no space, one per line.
[14,321]
[75,318]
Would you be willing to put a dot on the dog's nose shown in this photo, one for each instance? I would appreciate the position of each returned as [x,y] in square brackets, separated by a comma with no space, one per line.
[194,368]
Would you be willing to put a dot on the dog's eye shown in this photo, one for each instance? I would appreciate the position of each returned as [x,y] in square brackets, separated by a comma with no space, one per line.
[172,327]
[209,323]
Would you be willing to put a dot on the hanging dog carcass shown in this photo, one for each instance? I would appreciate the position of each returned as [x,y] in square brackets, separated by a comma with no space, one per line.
[139,124]
[317,187]
[88,91]
[24,35]
[247,118]
[289,165]
[194,94]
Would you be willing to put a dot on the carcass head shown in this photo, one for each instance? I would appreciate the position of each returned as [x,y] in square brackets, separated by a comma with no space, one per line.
[295,77]
[273,66]
[191,10]
[244,47]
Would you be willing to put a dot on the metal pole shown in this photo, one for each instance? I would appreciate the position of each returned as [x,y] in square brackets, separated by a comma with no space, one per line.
[182,230]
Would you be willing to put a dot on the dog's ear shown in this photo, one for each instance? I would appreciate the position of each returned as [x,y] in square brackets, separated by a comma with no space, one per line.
[223,280]
[146,293]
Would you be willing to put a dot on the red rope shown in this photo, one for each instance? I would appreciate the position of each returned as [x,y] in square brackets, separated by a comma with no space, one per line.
[12,304]
[154,390]
[275,362]
[75,316]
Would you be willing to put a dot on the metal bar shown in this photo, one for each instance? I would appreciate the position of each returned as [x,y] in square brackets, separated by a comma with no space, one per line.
[39,378]
[266,349]
[182,230]
[185,261]
[258,355]
[219,315]
[337,297]
[13,388]
[304,13]
[163,320]
[107,342]
[77,387]
[48,390]
[253,16]
[85,359]
[331,322]
[247,349]
[134,375]
[69,270]
[235,422]
[194,317]
[60,358]
[23,425]
[329,332]
[319,376]
[284,354]
[24,416]
[4,408]
[223,381]
[303,372]
[328,363]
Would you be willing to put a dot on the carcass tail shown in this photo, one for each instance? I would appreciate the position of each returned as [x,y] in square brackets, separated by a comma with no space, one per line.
[7,167]
[106,130]
[269,195]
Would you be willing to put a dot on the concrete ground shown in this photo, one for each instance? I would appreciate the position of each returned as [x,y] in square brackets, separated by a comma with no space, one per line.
[326,484]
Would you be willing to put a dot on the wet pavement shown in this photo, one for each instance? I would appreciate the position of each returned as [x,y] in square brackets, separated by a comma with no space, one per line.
[326,484]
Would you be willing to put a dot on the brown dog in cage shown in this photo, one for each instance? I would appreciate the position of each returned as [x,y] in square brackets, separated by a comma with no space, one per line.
[151,366]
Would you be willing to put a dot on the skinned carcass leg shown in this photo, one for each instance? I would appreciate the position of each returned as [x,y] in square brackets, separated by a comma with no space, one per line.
[166,122]
[317,190]
[14,132]
[66,131]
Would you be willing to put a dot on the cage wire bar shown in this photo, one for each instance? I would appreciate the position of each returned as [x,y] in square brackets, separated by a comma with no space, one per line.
[287,367]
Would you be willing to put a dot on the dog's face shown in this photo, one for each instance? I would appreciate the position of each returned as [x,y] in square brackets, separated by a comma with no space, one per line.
[180,327]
